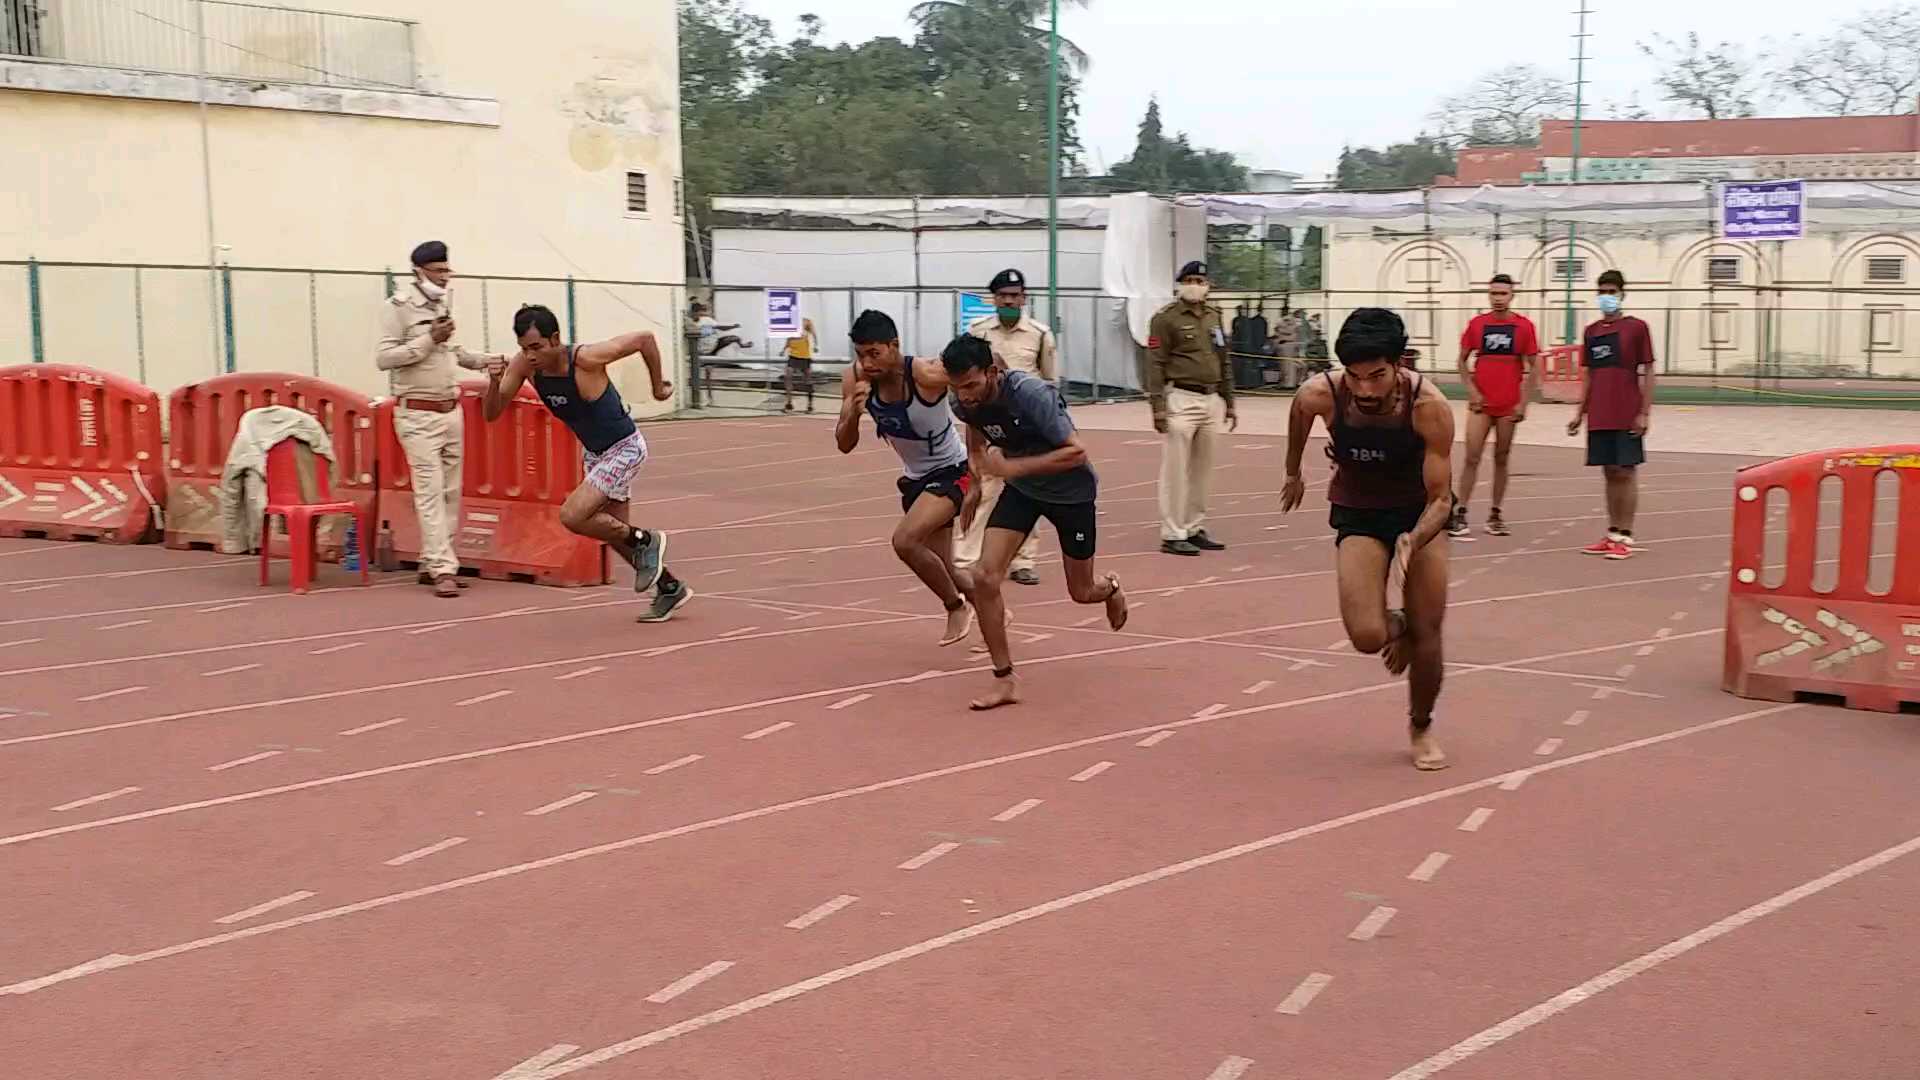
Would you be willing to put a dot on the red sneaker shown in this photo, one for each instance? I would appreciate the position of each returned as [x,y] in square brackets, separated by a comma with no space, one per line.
[1617,550]
[1601,547]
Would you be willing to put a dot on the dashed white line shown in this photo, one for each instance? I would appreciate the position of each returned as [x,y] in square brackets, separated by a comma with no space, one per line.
[91,799]
[1017,809]
[430,849]
[1644,650]
[224,607]
[1216,707]
[1373,923]
[105,694]
[1663,632]
[1336,644]
[248,760]
[1090,620]
[337,648]
[1155,739]
[1242,569]
[1091,771]
[561,804]
[1260,687]
[687,982]
[1678,616]
[364,728]
[1549,747]
[128,625]
[1232,1068]
[1626,670]
[676,763]
[235,670]
[1579,717]
[928,855]
[1476,819]
[1429,866]
[1513,781]
[738,632]
[580,674]
[484,697]
[717,573]
[822,912]
[849,702]
[768,730]
[1303,995]
[261,909]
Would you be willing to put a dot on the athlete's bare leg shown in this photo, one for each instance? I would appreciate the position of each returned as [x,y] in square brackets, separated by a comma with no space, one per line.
[586,513]
[985,579]
[1426,600]
[1478,424]
[1087,588]
[1360,563]
[924,541]
[1503,429]
[1623,495]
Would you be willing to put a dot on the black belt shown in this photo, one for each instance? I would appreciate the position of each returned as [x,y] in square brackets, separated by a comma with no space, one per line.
[1193,388]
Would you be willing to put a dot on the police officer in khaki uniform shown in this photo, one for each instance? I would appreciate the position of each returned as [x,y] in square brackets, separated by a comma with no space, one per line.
[1019,343]
[1190,385]
[418,354]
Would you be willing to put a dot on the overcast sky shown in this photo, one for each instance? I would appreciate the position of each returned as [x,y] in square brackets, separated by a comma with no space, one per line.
[1285,84]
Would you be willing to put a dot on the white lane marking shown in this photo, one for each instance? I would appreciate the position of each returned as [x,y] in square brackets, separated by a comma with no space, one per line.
[234,670]
[1303,995]
[224,607]
[846,702]
[1579,717]
[1664,632]
[364,728]
[1260,687]
[261,909]
[1093,770]
[1017,809]
[676,763]
[434,629]
[738,632]
[91,799]
[561,804]
[91,967]
[1035,639]
[1373,923]
[337,648]
[1626,670]
[1513,781]
[1242,569]
[105,694]
[1640,965]
[128,625]
[803,616]
[1473,821]
[580,674]
[1155,739]
[718,573]
[875,963]
[1211,710]
[483,697]
[21,641]
[430,849]
[1429,866]
[1644,650]
[1336,645]
[768,730]
[910,588]
[38,588]
[1549,747]
[1601,693]
[1232,1068]
[928,855]
[821,912]
[248,760]
[1090,620]
[688,982]
[535,1067]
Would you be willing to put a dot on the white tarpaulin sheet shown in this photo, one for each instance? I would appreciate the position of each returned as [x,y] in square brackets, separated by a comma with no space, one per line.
[1136,263]
[926,212]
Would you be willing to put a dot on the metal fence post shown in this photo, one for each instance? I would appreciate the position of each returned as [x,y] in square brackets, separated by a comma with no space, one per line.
[33,310]
[573,331]
[1093,392]
[389,282]
[139,324]
[313,320]
[226,313]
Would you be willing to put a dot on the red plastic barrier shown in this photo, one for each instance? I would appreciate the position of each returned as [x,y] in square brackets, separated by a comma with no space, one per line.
[79,455]
[517,471]
[1560,373]
[201,420]
[1847,642]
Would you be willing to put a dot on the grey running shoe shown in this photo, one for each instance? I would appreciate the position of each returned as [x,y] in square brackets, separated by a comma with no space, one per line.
[649,555]
[666,602]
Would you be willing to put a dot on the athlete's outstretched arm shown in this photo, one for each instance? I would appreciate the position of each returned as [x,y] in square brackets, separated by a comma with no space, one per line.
[1433,419]
[853,401]
[1309,401]
[601,353]
[503,384]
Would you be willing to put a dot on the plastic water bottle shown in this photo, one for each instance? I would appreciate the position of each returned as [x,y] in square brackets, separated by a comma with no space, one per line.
[350,558]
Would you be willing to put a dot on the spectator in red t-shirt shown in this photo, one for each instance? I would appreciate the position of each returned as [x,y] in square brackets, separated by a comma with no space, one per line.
[1615,399]
[1497,355]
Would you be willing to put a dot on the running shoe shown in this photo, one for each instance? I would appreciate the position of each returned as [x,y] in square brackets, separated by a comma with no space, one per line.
[1457,524]
[666,602]
[1497,526]
[1619,550]
[649,555]
[1603,546]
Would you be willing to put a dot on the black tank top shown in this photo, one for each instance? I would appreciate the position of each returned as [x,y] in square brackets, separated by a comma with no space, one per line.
[599,423]
[1377,466]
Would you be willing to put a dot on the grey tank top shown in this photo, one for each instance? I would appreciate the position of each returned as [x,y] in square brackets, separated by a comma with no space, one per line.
[920,431]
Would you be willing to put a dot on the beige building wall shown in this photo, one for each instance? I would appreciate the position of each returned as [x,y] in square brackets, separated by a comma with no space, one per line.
[515,146]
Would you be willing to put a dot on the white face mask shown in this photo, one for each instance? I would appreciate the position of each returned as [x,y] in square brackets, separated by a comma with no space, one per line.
[1193,294]
[432,291]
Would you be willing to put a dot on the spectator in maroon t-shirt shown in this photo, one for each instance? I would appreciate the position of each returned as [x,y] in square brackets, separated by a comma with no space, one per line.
[1615,398]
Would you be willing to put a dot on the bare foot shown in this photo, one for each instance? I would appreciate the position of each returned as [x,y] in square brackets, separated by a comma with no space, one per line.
[1427,755]
[1116,604]
[1398,653]
[959,622]
[1005,692]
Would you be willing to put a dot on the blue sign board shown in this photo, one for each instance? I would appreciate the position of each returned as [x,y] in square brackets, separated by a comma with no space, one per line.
[783,313]
[973,307]
[1766,210]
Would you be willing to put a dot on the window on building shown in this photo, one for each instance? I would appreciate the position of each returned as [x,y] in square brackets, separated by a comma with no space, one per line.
[1718,326]
[1723,269]
[1423,269]
[636,193]
[1569,269]
[1883,329]
[1886,269]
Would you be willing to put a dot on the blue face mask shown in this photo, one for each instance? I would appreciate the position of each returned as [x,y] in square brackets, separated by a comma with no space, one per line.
[1608,304]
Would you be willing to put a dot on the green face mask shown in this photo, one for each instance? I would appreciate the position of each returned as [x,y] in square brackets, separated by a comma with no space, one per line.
[1008,315]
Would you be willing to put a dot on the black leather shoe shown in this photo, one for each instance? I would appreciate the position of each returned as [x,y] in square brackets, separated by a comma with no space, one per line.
[1177,547]
[1205,543]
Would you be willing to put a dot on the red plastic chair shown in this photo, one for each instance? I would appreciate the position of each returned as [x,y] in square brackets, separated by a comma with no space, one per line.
[286,499]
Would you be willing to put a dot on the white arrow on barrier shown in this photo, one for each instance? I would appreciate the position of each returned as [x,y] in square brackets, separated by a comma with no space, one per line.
[94,501]
[114,490]
[13,494]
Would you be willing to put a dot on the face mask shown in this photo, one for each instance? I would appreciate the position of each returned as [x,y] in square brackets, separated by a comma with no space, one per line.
[1008,315]
[1608,305]
[432,291]
[1193,294]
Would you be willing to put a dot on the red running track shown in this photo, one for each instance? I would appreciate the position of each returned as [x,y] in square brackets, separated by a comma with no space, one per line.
[371,833]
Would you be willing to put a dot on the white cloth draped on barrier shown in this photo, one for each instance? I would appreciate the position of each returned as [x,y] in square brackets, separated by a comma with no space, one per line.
[1136,263]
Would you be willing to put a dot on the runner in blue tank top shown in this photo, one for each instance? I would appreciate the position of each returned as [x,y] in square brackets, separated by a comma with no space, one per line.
[572,382]
[1389,433]
[907,399]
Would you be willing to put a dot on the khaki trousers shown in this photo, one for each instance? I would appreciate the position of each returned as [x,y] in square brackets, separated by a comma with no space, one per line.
[966,549]
[1186,460]
[433,445]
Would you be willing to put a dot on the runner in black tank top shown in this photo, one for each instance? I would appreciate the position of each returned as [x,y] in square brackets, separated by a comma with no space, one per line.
[573,384]
[1389,436]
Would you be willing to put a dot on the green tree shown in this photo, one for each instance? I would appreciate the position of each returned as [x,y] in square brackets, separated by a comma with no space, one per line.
[1165,164]
[941,19]
[1401,165]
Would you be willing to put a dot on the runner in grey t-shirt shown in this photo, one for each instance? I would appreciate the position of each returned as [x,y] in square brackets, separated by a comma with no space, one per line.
[1018,429]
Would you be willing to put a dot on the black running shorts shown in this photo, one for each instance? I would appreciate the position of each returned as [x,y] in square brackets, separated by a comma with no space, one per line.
[1074,522]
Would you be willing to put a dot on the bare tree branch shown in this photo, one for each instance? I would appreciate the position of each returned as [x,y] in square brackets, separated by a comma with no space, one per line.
[1870,66]
[1501,108]
[1719,82]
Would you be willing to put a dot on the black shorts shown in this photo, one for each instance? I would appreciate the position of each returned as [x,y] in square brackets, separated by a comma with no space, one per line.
[799,366]
[1386,526]
[1074,522]
[1623,449]
[951,482]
